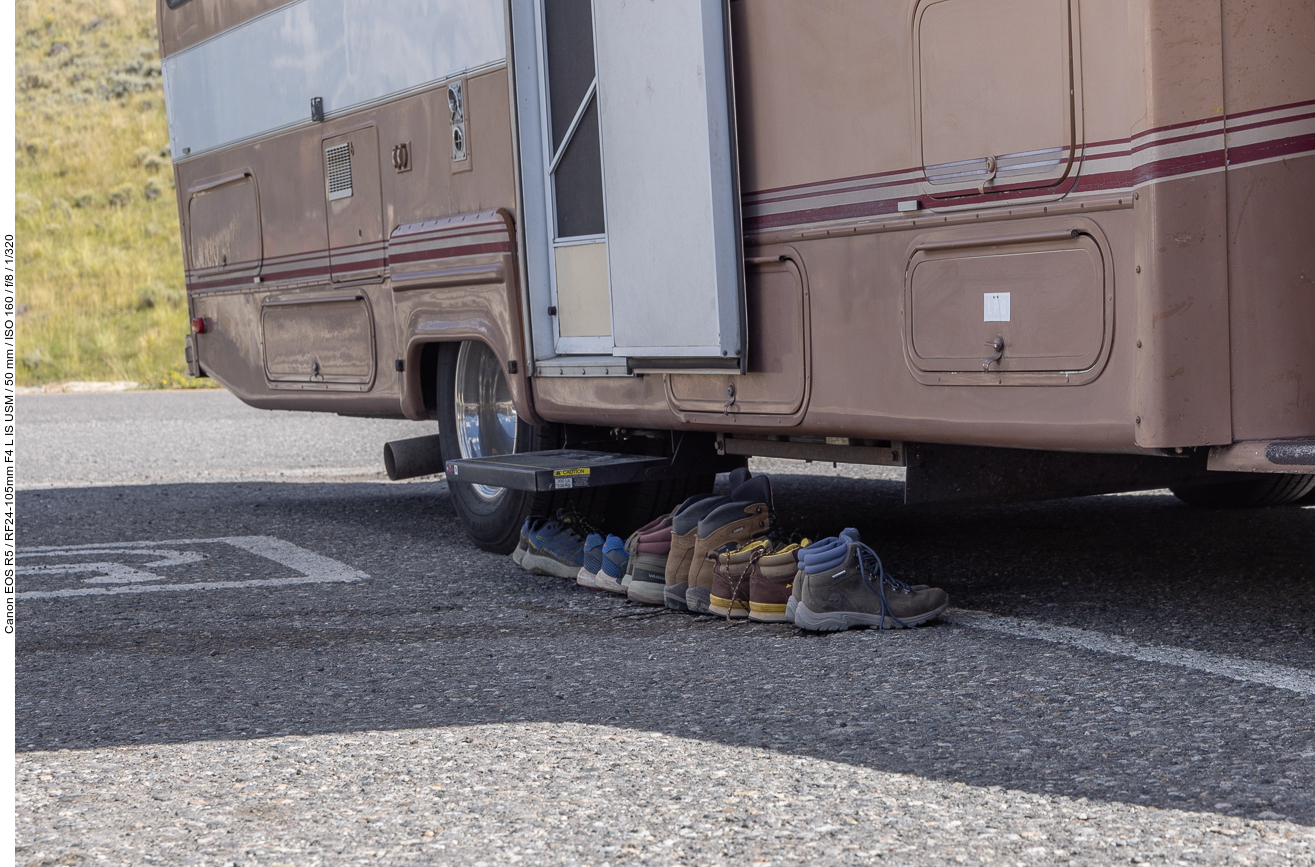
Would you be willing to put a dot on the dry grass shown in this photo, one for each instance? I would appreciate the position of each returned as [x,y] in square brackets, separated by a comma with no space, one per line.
[99,256]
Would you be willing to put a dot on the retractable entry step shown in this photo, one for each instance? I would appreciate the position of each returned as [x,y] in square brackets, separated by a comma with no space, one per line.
[559,468]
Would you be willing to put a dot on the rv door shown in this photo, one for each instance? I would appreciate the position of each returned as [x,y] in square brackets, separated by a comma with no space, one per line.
[629,182]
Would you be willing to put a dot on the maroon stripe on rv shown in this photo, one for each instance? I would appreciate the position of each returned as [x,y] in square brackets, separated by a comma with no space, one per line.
[1165,142]
[1087,182]
[450,253]
[881,207]
[915,177]
[1154,170]
[1294,118]
[349,249]
[1255,111]
[1106,143]
[438,245]
[450,232]
[851,211]
[363,265]
[266,278]
[855,178]
[1008,192]
[234,266]
[1142,145]
[1284,147]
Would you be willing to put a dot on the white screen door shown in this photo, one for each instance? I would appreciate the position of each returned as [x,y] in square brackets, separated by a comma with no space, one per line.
[675,253]
[637,170]
[582,316]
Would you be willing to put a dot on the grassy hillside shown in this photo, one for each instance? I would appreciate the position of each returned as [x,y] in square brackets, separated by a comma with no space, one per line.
[99,256]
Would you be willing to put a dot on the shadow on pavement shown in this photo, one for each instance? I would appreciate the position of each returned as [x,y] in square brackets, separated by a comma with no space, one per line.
[444,635]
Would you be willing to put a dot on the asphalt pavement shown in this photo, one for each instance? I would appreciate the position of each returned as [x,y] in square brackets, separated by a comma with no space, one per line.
[238,645]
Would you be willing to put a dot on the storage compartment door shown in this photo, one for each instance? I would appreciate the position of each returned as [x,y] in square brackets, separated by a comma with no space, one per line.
[675,259]
[996,95]
[776,382]
[324,342]
[351,186]
[223,230]
[1030,309]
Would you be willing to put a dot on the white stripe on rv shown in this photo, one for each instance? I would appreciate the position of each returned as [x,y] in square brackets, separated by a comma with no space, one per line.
[260,76]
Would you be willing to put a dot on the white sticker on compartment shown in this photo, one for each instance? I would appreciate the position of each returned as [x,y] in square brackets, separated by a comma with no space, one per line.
[995,307]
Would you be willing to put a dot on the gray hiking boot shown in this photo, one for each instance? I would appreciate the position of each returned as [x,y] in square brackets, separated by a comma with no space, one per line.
[823,554]
[858,592]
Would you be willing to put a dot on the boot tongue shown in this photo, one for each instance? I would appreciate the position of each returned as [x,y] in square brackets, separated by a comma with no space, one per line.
[756,490]
[685,505]
[689,518]
[850,534]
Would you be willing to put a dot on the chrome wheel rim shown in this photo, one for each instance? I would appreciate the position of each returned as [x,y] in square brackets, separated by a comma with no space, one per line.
[486,417]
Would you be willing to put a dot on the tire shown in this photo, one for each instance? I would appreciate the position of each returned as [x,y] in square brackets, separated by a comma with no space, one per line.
[1242,492]
[493,518]
[633,506]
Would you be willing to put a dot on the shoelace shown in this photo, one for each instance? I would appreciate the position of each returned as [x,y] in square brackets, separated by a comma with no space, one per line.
[869,568]
[572,520]
[775,532]
[759,549]
[793,547]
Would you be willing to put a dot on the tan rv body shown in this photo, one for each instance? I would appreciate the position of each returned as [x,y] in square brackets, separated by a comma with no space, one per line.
[1133,181]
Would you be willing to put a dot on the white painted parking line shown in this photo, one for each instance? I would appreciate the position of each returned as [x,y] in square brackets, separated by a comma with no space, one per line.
[1264,673]
[130,565]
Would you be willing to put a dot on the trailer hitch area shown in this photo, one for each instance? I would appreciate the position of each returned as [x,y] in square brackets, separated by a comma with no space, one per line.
[999,346]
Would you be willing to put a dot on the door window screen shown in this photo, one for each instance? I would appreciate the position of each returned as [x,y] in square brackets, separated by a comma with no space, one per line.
[576,162]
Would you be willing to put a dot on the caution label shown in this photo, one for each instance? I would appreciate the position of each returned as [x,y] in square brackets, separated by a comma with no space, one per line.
[578,471]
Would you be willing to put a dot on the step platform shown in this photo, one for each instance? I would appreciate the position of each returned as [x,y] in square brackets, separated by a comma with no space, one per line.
[559,469]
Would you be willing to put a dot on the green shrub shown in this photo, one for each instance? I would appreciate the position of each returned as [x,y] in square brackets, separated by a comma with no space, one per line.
[100,266]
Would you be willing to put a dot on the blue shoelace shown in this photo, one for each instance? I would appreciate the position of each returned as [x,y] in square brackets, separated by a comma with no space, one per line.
[875,577]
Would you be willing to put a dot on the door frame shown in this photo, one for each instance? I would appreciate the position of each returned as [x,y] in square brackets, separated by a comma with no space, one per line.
[600,345]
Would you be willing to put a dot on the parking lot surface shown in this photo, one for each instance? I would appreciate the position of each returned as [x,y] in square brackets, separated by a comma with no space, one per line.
[237,646]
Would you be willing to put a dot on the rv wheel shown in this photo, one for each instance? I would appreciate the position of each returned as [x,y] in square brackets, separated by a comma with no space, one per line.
[1270,489]
[476,418]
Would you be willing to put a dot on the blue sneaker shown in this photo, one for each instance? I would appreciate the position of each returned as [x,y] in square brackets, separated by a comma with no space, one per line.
[614,561]
[557,547]
[531,524]
[593,560]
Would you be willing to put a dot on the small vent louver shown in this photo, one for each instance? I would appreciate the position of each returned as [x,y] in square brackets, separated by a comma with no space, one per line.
[338,165]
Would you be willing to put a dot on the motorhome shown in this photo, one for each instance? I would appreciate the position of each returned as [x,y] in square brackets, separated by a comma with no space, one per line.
[1022,248]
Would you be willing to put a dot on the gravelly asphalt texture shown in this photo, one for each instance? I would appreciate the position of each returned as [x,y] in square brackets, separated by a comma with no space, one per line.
[449,708]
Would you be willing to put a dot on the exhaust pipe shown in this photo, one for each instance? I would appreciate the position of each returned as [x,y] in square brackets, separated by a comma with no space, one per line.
[407,459]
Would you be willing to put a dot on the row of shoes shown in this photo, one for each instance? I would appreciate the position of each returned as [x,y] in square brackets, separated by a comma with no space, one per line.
[725,556]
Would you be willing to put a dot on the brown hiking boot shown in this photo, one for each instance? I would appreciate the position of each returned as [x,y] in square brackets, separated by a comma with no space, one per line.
[745,518]
[857,592]
[731,571]
[684,533]
[770,583]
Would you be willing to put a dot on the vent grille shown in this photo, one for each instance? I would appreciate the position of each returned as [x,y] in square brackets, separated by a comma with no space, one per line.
[338,161]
